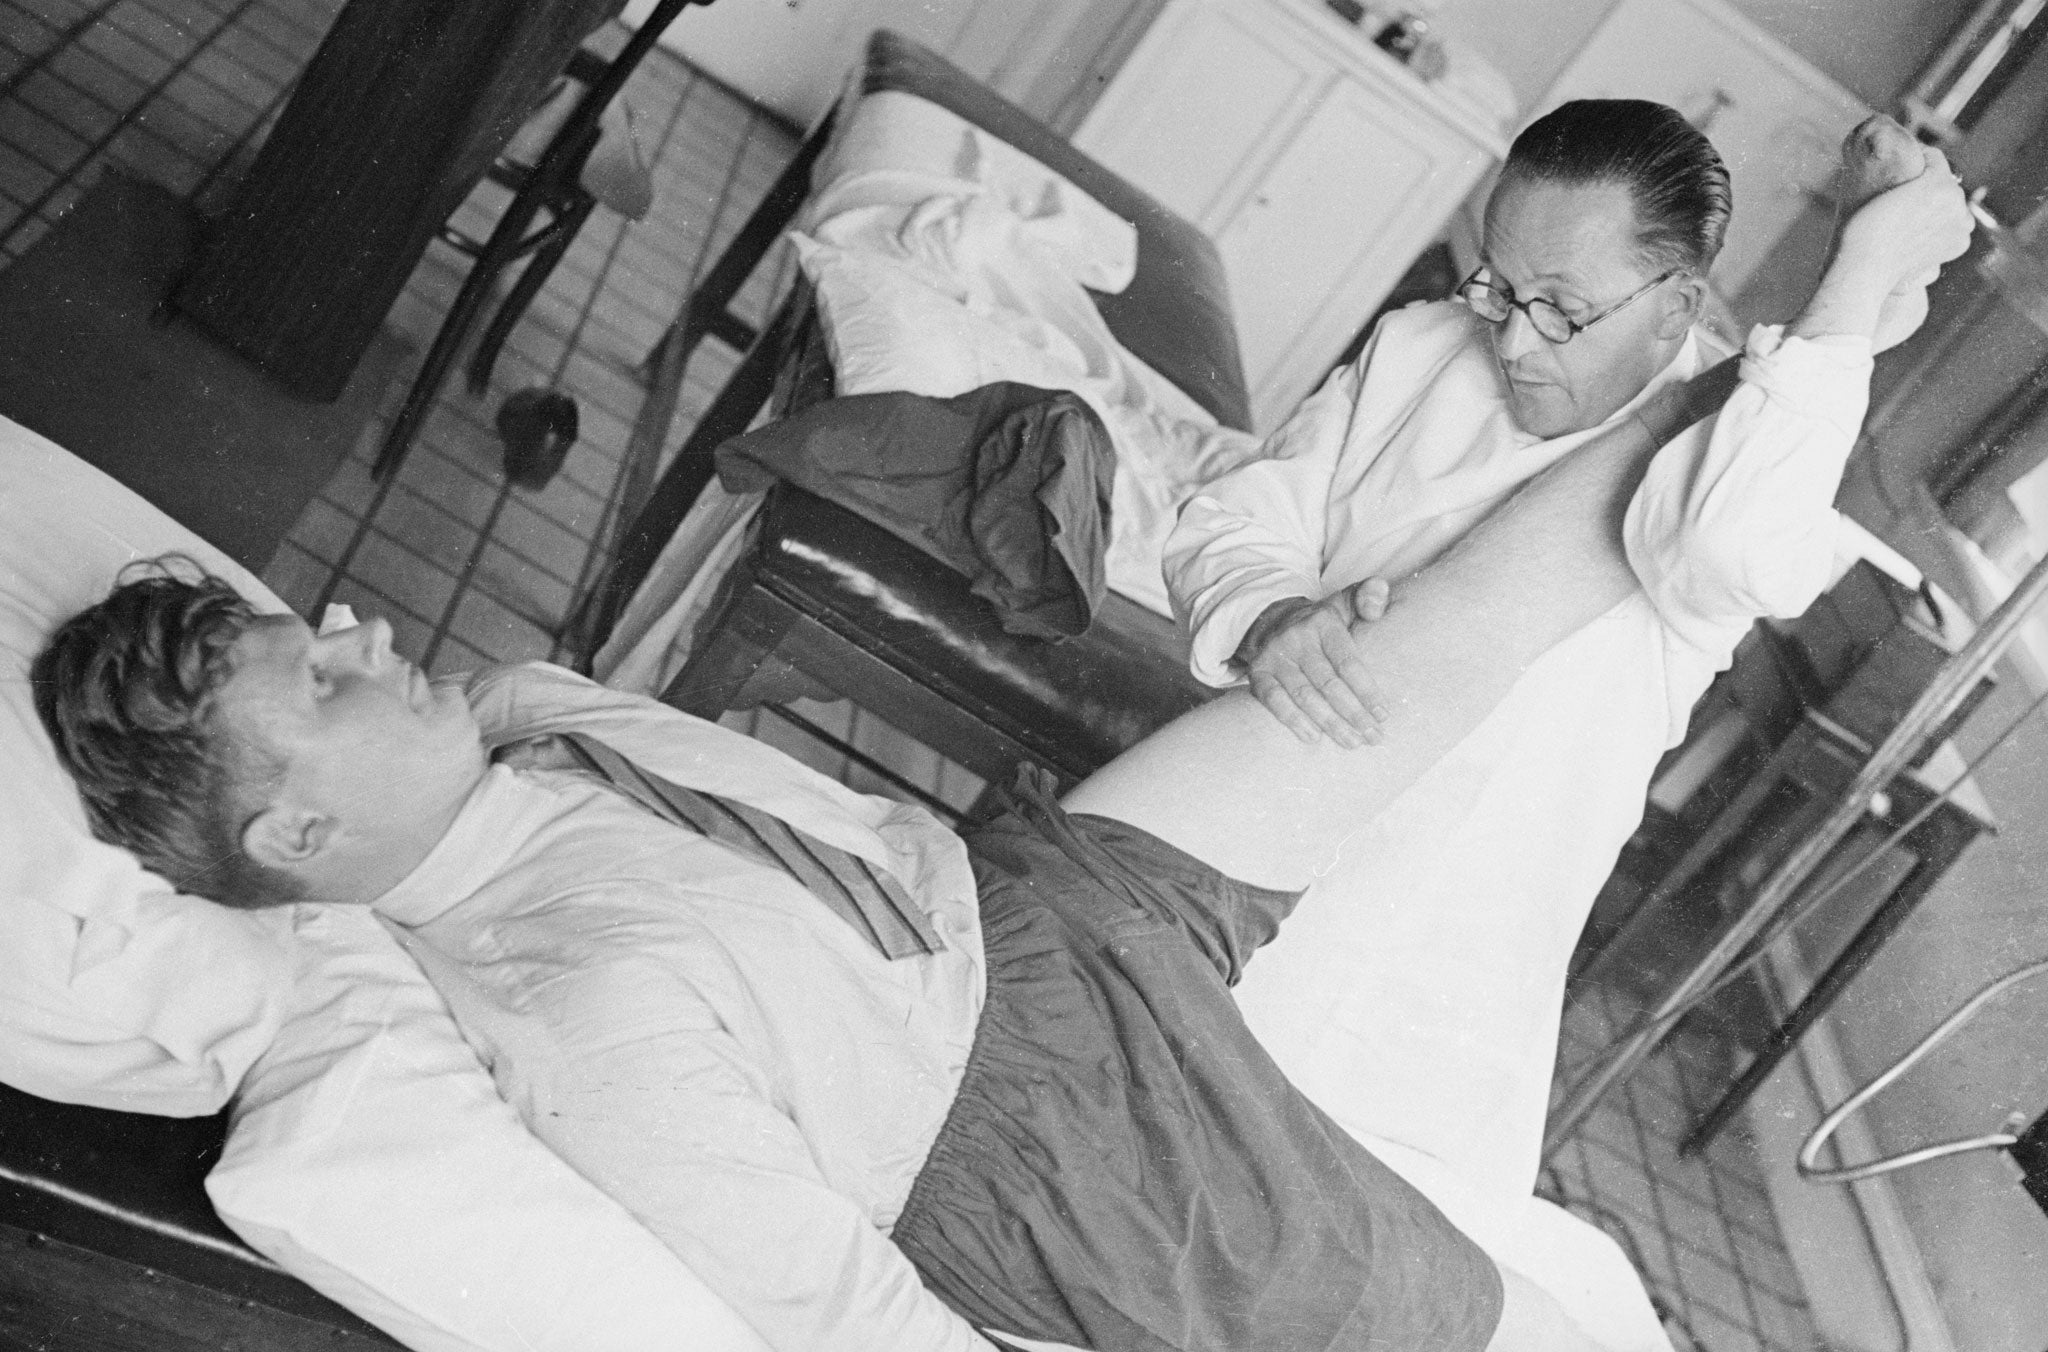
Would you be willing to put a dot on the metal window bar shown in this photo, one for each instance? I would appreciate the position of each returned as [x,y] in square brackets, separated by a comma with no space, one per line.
[1951,685]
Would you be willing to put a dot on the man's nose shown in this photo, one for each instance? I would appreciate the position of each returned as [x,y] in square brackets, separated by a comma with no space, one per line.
[1515,336]
[369,643]
[379,639]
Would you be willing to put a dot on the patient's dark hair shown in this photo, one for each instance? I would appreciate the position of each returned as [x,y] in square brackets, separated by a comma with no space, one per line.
[126,690]
[1673,173]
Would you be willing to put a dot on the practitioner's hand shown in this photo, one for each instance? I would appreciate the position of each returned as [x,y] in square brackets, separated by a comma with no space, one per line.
[1942,215]
[1303,663]
[1891,249]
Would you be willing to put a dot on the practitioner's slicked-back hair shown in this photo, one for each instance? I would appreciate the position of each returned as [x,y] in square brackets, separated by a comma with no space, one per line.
[1673,173]
[126,690]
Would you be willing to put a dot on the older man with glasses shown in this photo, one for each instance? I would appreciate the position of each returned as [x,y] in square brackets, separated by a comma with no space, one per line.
[1461,904]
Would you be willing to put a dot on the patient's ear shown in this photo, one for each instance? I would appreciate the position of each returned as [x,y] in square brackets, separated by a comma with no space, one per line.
[283,835]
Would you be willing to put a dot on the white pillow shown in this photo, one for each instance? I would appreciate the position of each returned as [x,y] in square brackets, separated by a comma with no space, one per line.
[885,330]
[890,135]
[114,990]
[371,1156]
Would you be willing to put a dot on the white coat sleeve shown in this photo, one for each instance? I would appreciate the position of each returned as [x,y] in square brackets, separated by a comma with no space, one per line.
[1737,521]
[660,1108]
[1256,535]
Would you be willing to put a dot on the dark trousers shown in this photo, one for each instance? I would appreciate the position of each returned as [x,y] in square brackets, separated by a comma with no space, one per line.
[1125,1167]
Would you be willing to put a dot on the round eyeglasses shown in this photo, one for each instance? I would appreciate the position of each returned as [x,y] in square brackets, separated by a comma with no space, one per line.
[1494,302]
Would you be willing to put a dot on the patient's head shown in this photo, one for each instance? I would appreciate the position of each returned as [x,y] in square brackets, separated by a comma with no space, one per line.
[245,758]
[1597,244]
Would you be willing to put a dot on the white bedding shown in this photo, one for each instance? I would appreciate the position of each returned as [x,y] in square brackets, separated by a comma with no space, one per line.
[943,260]
[97,1004]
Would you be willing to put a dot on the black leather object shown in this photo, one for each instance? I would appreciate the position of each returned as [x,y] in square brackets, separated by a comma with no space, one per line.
[132,1187]
[1073,704]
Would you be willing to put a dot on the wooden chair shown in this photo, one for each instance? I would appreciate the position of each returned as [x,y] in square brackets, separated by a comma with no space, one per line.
[827,599]
[551,199]
[827,602]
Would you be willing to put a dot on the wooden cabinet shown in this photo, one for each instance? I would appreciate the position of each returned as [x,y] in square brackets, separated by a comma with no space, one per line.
[1319,164]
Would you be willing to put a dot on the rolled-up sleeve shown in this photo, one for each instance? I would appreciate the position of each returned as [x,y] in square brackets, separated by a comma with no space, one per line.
[1256,535]
[1737,521]
[659,1106]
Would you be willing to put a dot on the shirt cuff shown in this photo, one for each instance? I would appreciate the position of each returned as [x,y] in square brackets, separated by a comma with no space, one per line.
[1825,376]
[1216,640]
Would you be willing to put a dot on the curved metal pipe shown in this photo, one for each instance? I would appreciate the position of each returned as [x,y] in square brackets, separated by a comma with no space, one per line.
[1809,1153]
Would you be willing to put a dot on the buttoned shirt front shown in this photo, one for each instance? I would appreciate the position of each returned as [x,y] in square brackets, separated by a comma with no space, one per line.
[1415,994]
[690,1028]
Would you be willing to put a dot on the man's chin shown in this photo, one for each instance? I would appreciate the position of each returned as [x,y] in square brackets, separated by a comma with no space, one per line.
[1539,410]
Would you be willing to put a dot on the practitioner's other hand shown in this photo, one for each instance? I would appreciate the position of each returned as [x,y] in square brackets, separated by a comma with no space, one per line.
[1941,216]
[1890,250]
[1303,662]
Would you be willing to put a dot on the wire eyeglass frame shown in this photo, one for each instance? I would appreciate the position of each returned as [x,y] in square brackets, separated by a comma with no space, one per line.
[1494,302]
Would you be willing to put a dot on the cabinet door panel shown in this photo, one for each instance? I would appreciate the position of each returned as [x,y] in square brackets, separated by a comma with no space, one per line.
[1197,108]
[1324,234]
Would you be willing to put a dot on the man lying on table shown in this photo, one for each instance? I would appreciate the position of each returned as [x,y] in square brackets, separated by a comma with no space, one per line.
[880,1086]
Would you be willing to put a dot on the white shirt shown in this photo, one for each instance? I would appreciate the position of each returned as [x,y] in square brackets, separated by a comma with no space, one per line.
[1416,992]
[691,1029]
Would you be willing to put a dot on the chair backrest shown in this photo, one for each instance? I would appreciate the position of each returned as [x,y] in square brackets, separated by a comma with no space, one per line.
[562,162]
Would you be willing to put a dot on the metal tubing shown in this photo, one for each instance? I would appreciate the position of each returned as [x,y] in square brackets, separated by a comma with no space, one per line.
[1957,677]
